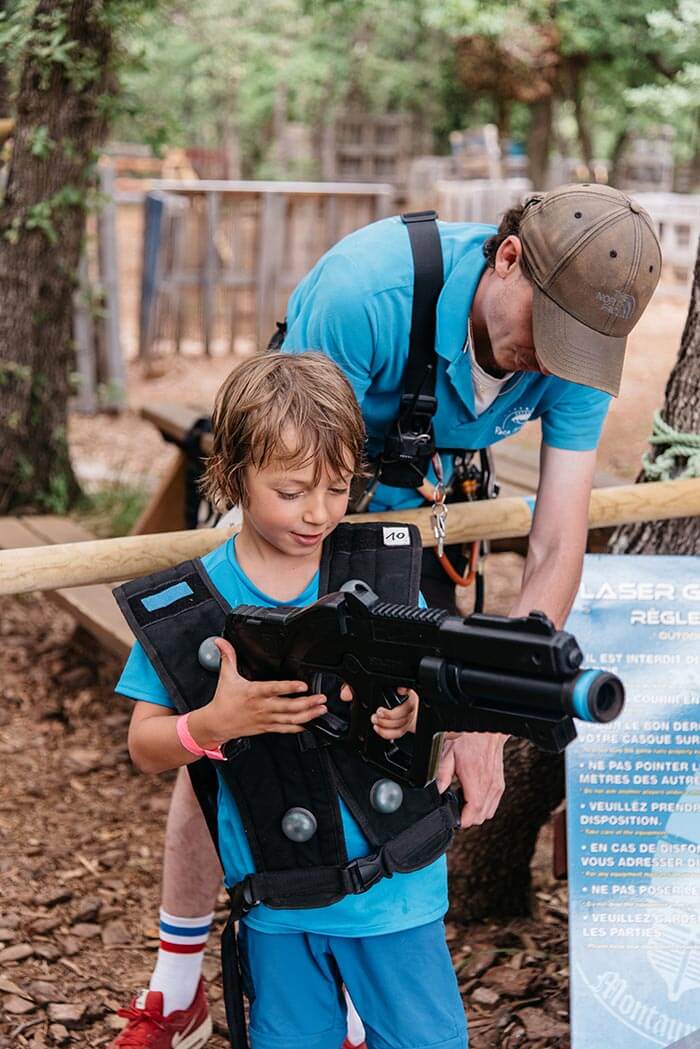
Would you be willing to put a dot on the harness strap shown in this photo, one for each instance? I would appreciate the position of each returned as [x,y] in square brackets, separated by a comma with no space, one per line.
[233,985]
[428,279]
[191,446]
[409,850]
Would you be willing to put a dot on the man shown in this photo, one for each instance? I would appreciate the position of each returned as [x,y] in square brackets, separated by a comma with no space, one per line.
[531,322]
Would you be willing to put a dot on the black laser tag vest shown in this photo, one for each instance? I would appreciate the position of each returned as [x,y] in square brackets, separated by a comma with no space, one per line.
[171,612]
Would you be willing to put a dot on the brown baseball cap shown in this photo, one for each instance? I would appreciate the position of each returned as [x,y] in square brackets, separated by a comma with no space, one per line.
[595,260]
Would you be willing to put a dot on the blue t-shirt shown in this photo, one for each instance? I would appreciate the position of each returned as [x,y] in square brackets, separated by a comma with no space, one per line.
[393,904]
[355,306]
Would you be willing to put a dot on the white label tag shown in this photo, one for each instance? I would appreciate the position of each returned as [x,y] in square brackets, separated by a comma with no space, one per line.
[396,535]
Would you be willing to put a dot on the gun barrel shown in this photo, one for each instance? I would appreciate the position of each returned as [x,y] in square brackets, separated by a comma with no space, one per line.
[596,696]
[591,695]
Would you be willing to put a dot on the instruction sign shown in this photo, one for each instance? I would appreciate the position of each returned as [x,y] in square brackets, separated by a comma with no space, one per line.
[633,809]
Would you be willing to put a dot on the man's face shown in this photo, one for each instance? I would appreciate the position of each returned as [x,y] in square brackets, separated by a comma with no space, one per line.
[508,313]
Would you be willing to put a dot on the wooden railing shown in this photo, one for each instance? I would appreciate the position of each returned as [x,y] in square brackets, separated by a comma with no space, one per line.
[220,258]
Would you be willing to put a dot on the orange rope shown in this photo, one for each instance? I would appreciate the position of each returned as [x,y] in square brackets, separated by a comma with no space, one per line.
[472,566]
[427,490]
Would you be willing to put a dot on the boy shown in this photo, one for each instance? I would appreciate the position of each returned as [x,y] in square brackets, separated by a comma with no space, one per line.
[288,438]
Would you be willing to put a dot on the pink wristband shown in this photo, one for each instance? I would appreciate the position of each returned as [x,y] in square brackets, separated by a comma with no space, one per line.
[190,744]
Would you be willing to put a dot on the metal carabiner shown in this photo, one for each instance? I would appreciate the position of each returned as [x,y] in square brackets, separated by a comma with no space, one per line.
[438,517]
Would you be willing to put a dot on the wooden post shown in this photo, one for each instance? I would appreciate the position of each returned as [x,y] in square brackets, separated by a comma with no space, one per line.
[269,263]
[113,375]
[105,560]
[210,273]
[154,206]
[85,400]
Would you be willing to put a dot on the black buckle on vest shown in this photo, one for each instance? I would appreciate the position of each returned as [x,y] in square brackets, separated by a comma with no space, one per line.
[365,872]
[242,897]
[418,404]
[418,216]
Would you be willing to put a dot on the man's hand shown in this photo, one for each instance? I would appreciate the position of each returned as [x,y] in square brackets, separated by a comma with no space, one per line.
[476,758]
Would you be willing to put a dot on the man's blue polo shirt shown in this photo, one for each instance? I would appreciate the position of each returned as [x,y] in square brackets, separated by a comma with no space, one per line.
[355,306]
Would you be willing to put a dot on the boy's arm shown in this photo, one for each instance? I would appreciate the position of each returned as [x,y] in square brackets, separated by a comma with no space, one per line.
[154,745]
[239,708]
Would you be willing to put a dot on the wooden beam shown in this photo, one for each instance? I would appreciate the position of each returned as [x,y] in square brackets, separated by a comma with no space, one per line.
[106,560]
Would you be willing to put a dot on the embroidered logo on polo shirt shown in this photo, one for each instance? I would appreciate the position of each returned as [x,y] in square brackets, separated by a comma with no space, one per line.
[515,418]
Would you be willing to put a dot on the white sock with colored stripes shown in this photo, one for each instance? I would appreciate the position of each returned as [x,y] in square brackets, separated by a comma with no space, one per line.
[179,963]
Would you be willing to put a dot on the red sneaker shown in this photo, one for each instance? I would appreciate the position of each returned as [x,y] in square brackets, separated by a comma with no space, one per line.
[351,1045]
[147,1028]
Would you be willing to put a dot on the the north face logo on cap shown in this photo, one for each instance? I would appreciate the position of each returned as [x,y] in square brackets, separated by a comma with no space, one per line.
[619,303]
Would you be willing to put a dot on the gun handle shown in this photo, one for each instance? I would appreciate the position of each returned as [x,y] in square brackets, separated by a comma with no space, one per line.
[369,697]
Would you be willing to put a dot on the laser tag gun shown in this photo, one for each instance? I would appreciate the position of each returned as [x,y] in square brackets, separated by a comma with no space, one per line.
[482,673]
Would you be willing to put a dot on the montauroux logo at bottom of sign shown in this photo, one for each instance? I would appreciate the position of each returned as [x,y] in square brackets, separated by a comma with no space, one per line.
[612,990]
[515,418]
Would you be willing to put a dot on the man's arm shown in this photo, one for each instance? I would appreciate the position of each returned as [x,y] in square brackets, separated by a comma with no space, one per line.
[550,581]
[558,536]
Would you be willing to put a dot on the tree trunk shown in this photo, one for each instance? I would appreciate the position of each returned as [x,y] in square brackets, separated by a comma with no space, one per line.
[617,155]
[60,109]
[681,410]
[4,77]
[584,131]
[503,107]
[490,865]
[539,141]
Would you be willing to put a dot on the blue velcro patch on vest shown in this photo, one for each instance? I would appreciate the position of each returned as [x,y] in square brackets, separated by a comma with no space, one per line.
[166,597]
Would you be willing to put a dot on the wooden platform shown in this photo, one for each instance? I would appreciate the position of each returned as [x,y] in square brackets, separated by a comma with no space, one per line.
[93,607]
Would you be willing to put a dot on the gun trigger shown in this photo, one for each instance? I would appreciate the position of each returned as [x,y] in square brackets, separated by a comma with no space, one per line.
[393,699]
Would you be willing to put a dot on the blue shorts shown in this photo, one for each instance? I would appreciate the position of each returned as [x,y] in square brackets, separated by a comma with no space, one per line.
[402,984]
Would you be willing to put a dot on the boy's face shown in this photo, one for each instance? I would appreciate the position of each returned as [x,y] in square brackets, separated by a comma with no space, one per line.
[291,512]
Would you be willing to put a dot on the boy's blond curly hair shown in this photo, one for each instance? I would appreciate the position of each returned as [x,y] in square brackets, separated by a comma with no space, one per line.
[290,408]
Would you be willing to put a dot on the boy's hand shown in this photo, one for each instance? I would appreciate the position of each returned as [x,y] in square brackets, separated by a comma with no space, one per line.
[392,724]
[248,708]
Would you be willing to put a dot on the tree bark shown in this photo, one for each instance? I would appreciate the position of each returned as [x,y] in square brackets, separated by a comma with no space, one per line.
[617,155]
[539,141]
[585,142]
[490,865]
[681,410]
[4,77]
[60,110]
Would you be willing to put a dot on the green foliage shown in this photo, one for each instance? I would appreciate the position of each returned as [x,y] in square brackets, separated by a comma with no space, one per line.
[112,510]
[676,99]
[14,370]
[200,70]
[221,70]
[56,498]
[40,142]
[197,73]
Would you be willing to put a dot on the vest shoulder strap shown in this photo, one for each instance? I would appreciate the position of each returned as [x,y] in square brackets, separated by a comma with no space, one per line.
[171,612]
[385,556]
